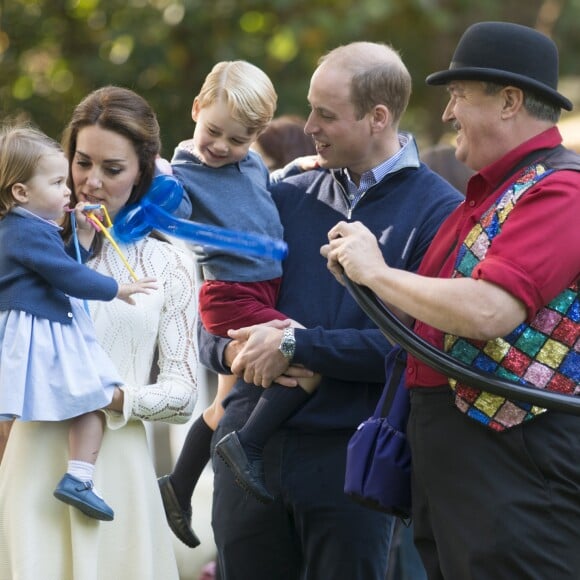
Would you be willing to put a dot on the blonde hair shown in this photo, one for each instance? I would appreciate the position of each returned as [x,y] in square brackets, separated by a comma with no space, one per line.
[246,89]
[20,151]
[378,76]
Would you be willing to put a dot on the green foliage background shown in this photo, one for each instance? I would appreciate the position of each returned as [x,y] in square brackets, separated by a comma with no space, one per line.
[53,52]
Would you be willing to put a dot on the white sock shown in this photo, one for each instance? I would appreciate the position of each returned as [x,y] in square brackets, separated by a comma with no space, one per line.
[81,470]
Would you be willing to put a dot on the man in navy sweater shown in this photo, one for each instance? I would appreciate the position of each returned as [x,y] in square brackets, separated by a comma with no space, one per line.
[371,173]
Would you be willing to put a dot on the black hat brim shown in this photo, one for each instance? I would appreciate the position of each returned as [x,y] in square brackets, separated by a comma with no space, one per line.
[500,76]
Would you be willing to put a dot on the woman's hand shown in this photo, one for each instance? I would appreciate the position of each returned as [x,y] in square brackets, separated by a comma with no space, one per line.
[116,403]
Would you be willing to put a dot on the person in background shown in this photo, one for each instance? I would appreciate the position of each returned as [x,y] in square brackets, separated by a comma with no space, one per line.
[111,142]
[283,141]
[369,171]
[496,480]
[441,159]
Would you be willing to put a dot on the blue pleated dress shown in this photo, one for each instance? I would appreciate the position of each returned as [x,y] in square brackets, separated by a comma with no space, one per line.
[51,371]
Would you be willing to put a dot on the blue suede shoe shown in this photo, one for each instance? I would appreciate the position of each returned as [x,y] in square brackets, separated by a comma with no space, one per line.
[80,494]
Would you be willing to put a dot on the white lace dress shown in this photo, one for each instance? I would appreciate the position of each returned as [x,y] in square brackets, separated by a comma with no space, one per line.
[43,539]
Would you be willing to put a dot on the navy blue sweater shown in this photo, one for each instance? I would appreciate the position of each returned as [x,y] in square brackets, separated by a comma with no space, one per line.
[404,211]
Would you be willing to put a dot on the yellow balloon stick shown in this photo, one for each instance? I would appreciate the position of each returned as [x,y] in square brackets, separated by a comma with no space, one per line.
[97,223]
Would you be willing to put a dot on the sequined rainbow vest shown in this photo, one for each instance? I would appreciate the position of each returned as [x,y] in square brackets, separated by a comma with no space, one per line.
[544,354]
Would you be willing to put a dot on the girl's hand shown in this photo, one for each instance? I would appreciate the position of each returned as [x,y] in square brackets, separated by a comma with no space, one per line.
[143,286]
[85,229]
[83,223]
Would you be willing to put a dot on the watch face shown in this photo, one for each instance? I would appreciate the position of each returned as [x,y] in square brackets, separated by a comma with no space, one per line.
[288,344]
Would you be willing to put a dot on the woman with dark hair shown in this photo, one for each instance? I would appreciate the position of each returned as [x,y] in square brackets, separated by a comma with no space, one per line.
[111,142]
[284,141]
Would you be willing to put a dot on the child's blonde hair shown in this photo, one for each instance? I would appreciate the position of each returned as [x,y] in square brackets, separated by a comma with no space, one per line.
[20,151]
[247,90]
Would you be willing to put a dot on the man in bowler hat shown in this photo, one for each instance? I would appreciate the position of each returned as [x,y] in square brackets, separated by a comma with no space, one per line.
[496,483]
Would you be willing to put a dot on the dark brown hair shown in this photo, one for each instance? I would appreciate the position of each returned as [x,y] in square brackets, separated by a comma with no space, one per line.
[124,112]
[284,140]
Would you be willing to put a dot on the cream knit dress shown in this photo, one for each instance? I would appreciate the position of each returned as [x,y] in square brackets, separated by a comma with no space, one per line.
[43,539]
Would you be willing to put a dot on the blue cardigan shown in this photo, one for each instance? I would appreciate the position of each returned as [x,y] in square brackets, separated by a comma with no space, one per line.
[36,273]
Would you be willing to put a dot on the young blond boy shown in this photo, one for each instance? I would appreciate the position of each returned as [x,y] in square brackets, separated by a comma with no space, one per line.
[227,184]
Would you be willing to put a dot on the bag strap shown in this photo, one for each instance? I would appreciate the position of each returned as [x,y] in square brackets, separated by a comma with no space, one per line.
[397,366]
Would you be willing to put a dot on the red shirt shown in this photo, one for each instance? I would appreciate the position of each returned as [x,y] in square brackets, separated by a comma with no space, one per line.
[534,258]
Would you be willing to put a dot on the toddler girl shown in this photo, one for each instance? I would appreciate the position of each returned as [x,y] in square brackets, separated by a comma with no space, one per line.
[51,366]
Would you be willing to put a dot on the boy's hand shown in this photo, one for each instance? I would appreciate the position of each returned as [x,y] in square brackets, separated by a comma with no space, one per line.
[163,166]
[143,286]
[307,162]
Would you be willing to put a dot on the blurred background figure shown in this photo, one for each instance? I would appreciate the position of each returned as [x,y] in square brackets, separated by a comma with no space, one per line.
[441,159]
[570,130]
[283,141]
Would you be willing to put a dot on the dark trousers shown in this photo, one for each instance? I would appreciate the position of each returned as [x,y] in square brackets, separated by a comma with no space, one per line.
[312,531]
[494,506]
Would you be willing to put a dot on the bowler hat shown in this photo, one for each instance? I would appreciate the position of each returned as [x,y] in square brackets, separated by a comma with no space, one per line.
[509,54]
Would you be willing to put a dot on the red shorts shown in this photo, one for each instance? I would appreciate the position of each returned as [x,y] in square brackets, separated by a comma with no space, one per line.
[225,305]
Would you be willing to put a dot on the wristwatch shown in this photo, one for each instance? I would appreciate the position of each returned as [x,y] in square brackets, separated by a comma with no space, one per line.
[288,344]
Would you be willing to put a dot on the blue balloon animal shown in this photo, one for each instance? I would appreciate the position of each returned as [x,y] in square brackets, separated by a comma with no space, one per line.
[154,211]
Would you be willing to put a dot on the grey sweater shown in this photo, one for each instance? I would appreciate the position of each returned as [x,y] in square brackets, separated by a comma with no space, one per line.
[236,197]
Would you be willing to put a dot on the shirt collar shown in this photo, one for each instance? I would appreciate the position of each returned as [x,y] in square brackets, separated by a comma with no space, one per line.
[17,209]
[497,172]
[406,156]
[189,148]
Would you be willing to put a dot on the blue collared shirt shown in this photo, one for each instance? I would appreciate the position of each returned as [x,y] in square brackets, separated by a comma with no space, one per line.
[406,156]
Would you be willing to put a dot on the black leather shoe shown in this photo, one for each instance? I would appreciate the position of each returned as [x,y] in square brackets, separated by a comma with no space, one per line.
[248,473]
[179,520]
